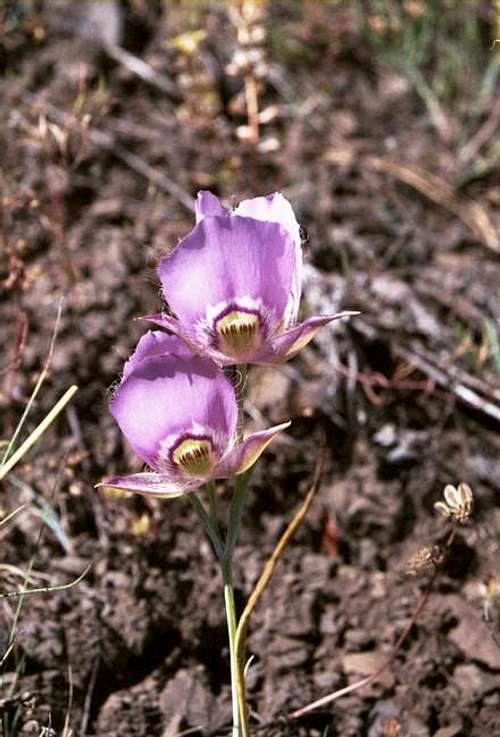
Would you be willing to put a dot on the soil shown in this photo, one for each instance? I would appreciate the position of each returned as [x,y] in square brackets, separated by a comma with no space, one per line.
[398,197]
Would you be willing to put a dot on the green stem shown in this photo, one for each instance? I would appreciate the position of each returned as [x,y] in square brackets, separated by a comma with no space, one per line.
[227,576]
[209,522]
[236,511]
[213,505]
[242,369]
[208,526]
[237,666]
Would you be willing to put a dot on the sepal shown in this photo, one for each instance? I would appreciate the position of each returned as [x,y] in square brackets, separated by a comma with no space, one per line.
[243,456]
[290,342]
[158,485]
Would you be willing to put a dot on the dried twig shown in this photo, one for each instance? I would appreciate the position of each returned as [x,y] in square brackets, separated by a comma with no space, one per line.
[471,390]
[268,571]
[473,215]
[372,379]
[143,70]
[89,696]
[452,300]
[252,103]
[106,142]
[481,136]
[102,29]
[447,378]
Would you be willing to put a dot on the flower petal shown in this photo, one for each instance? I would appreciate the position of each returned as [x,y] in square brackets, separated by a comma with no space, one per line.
[208,205]
[158,485]
[167,322]
[167,393]
[293,340]
[226,258]
[243,456]
[201,349]
[276,209]
[452,496]
[153,343]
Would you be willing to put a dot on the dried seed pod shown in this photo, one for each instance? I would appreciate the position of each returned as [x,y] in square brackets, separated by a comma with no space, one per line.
[424,559]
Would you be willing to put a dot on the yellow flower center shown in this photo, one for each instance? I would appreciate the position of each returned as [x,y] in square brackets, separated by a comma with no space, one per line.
[238,331]
[194,456]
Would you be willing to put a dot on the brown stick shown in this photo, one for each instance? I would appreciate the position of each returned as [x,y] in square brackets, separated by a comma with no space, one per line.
[268,571]
[453,384]
[473,215]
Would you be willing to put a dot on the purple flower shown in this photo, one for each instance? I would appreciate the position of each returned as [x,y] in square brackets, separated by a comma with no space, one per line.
[234,283]
[178,412]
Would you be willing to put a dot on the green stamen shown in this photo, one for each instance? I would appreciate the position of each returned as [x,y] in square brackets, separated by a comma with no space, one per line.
[238,331]
[194,455]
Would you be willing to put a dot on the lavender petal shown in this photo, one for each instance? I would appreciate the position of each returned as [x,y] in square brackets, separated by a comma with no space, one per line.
[169,393]
[226,258]
[276,209]
[208,205]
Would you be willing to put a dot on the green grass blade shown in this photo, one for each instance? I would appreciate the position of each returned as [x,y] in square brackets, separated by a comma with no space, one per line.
[38,431]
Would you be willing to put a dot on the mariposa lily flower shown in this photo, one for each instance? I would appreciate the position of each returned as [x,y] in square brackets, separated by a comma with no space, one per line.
[234,283]
[178,411]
